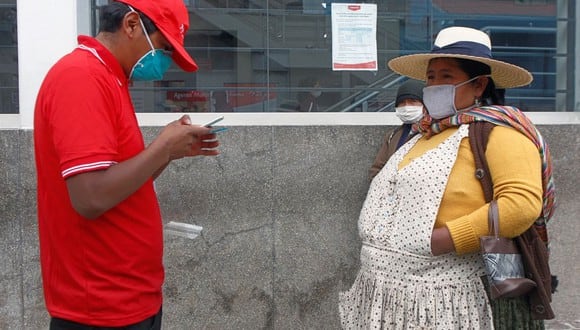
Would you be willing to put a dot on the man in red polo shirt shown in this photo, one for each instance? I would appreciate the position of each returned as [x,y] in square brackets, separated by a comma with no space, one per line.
[100,227]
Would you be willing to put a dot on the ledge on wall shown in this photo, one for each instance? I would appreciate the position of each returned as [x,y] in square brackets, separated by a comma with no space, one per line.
[14,121]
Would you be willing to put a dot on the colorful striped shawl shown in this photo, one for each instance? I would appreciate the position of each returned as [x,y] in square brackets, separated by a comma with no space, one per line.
[510,117]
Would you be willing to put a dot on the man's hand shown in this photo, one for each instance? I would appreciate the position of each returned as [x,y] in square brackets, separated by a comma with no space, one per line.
[182,139]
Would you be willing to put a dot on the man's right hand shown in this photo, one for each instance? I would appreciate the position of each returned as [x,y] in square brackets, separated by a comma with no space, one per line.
[182,139]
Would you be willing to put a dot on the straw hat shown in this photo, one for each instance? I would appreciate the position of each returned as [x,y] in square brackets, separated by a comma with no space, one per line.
[467,43]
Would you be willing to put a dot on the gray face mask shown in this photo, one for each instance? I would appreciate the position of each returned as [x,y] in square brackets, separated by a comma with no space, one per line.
[440,99]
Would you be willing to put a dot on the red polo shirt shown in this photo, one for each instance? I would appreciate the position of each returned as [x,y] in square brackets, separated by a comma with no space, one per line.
[106,271]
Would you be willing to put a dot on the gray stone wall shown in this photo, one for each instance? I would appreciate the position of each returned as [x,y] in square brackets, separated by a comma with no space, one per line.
[279,209]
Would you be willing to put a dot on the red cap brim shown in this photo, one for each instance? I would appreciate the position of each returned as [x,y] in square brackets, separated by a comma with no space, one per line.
[180,55]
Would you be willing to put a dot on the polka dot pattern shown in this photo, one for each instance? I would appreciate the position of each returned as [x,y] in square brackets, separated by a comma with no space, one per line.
[401,285]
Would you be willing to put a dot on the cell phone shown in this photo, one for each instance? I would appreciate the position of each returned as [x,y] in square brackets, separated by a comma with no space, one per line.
[214,121]
[216,130]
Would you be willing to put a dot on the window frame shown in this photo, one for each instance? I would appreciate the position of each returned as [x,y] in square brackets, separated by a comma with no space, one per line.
[73,15]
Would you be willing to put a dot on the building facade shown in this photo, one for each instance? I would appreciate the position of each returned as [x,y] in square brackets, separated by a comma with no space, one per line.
[279,206]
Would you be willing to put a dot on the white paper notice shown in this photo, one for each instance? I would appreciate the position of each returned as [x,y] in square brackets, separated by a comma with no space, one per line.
[354,37]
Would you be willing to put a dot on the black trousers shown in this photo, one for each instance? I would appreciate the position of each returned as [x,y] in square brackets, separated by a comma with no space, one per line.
[151,323]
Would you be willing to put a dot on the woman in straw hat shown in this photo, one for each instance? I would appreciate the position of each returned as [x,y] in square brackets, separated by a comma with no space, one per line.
[425,210]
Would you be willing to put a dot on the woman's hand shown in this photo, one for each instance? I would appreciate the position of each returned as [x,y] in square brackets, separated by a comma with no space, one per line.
[441,242]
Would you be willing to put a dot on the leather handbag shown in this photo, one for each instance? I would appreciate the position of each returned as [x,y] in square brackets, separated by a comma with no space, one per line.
[503,261]
[533,250]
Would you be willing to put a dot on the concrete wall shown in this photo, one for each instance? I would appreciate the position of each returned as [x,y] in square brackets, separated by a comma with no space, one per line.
[279,209]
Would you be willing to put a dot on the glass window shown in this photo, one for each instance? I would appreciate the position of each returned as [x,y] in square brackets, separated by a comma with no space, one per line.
[275,56]
[8,58]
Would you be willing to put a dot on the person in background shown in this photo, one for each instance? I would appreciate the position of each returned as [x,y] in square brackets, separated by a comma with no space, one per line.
[425,210]
[409,109]
[99,221]
[221,103]
[308,100]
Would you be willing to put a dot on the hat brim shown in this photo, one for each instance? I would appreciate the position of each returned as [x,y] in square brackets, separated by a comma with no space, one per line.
[504,75]
[180,55]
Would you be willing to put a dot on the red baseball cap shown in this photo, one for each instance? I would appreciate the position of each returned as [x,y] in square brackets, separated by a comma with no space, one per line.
[172,20]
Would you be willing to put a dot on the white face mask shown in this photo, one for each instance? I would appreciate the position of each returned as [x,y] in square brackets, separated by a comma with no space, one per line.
[409,114]
[440,99]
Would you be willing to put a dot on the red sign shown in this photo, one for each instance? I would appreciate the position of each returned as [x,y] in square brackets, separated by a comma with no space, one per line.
[242,97]
[187,96]
[187,101]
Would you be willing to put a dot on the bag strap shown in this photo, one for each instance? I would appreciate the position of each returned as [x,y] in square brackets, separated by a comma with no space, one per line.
[493,219]
[478,136]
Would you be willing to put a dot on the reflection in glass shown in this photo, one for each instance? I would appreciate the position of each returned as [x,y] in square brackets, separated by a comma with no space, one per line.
[8,58]
[275,56]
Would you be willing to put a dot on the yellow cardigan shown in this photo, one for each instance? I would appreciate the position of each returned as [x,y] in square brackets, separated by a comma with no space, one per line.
[515,166]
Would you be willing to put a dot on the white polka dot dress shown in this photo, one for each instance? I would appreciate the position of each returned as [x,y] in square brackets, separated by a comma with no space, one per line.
[401,285]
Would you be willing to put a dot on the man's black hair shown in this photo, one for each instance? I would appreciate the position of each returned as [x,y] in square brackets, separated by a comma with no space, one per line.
[111,16]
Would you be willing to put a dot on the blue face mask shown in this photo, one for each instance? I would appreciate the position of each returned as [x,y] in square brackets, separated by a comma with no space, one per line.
[153,65]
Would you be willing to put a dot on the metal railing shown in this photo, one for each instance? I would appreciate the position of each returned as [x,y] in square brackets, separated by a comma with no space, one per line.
[362,98]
